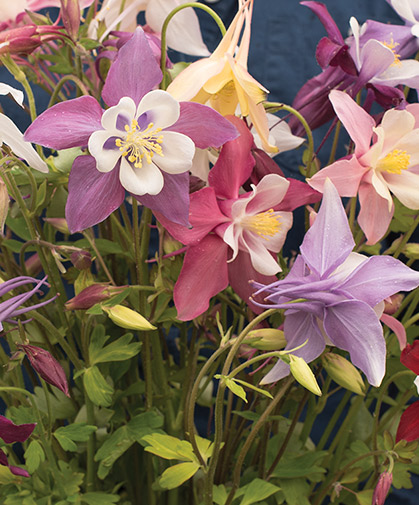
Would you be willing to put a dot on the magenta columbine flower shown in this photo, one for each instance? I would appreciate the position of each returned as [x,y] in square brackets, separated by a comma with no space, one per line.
[11,432]
[11,307]
[338,295]
[143,143]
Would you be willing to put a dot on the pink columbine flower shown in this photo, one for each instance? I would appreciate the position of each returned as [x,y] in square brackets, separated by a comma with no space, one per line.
[233,234]
[143,143]
[385,161]
[382,488]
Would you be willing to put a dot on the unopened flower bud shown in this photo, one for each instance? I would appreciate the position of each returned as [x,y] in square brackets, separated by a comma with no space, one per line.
[4,205]
[392,303]
[343,373]
[47,366]
[206,398]
[59,223]
[302,373]
[33,265]
[411,250]
[70,13]
[81,259]
[128,318]
[382,488]
[93,294]
[266,339]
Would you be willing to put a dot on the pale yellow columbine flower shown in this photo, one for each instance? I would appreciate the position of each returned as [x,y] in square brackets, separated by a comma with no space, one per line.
[223,80]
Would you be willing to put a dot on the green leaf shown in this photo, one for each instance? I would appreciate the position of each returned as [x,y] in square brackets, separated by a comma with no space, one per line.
[176,475]
[96,310]
[169,447]
[296,491]
[61,406]
[19,227]
[144,424]
[113,447]
[77,432]
[257,491]
[34,456]
[98,390]
[40,197]
[104,246]
[99,498]
[120,350]
[15,246]
[232,386]
[251,386]
[219,494]
[365,497]
[300,466]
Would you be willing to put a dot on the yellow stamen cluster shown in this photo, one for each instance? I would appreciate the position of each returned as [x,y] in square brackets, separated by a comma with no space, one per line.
[140,143]
[392,45]
[394,162]
[266,224]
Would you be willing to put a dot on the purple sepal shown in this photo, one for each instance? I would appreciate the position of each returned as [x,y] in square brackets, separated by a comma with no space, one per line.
[173,200]
[67,124]
[11,432]
[205,126]
[326,20]
[14,469]
[92,195]
[123,77]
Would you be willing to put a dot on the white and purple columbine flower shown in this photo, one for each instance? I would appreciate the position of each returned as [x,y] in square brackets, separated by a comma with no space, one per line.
[338,295]
[143,143]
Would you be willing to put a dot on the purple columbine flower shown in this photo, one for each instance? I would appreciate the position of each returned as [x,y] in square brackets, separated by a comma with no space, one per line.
[143,143]
[334,296]
[11,307]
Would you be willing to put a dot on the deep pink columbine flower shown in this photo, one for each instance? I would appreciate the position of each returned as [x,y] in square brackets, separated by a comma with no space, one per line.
[408,428]
[47,366]
[339,295]
[235,235]
[11,432]
[143,143]
[11,307]
[382,488]
[385,161]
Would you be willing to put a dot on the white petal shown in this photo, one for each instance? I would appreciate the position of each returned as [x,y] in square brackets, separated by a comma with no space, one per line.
[279,135]
[231,238]
[162,109]
[140,181]
[126,107]
[13,137]
[416,383]
[200,164]
[403,9]
[5,89]
[178,153]
[262,260]
[106,159]
[183,32]
[381,188]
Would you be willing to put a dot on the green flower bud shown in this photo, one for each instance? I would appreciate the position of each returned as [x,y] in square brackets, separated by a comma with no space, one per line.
[343,373]
[302,373]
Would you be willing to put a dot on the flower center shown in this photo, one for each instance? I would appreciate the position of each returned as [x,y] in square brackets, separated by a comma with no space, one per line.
[140,143]
[392,45]
[394,162]
[266,224]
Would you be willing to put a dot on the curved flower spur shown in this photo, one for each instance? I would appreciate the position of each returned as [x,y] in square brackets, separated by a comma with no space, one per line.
[143,143]
[334,296]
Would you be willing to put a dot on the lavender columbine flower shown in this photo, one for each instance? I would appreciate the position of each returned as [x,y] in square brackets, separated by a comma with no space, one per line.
[10,308]
[143,143]
[338,295]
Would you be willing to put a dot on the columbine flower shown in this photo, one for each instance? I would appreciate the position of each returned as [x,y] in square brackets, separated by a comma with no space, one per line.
[183,33]
[408,428]
[382,488]
[11,432]
[9,308]
[10,10]
[144,143]
[373,171]
[223,79]
[233,234]
[338,295]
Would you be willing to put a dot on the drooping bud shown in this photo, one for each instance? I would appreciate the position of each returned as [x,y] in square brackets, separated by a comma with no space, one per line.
[33,265]
[11,432]
[93,294]
[81,259]
[59,223]
[47,366]
[382,488]
[392,303]
[343,373]
[302,373]
[128,318]
[70,13]
[266,339]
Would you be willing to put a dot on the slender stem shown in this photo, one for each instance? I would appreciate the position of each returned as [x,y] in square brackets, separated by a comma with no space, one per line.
[300,117]
[406,237]
[197,5]
[92,243]
[252,435]
[61,83]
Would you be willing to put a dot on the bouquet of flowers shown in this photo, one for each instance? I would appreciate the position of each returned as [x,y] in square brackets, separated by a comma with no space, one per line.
[160,343]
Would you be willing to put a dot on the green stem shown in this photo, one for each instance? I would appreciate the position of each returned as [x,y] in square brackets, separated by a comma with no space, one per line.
[310,153]
[406,237]
[61,83]
[251,437]
[99,257]
[197,5]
